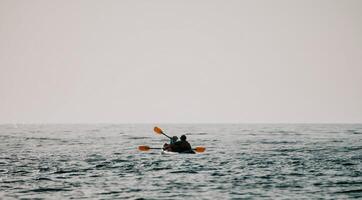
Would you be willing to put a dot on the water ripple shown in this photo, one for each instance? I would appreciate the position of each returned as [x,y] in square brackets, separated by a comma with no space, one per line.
[246,161]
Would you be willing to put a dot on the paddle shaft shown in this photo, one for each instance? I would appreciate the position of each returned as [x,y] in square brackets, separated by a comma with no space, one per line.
[146,148]
[166,135]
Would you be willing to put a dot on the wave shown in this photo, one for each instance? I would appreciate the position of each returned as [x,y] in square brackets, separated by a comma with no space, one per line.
[41,190]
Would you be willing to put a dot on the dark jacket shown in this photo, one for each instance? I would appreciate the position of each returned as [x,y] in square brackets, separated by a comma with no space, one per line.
[181,146]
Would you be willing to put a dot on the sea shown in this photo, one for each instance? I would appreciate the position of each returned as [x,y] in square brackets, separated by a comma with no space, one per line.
[241,161]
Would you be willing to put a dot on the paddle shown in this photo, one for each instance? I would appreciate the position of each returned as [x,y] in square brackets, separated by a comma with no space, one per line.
[159,131]
[146,148]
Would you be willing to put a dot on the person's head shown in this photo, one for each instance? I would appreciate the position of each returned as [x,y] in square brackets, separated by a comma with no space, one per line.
[183,137]
[174,138]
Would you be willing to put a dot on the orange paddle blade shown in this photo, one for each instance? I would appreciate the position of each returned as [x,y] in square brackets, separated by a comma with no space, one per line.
[143,148]
[158,130]
[200,149]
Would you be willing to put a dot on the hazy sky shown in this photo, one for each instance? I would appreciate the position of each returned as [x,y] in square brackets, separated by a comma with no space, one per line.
[68,61]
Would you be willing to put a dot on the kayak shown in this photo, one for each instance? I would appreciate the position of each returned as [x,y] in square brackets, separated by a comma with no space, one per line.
[168,152]
[173,152]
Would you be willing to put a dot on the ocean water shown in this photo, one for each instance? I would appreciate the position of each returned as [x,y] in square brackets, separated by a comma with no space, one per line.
[241,161]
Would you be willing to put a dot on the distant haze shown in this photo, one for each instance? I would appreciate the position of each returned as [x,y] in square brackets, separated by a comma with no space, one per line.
[180,61]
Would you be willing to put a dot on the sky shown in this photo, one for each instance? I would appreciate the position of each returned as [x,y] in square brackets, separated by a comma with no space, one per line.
[200,61]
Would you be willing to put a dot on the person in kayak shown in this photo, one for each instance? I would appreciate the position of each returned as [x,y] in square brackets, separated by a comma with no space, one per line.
[173,140]
[169,147]
[181,146]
